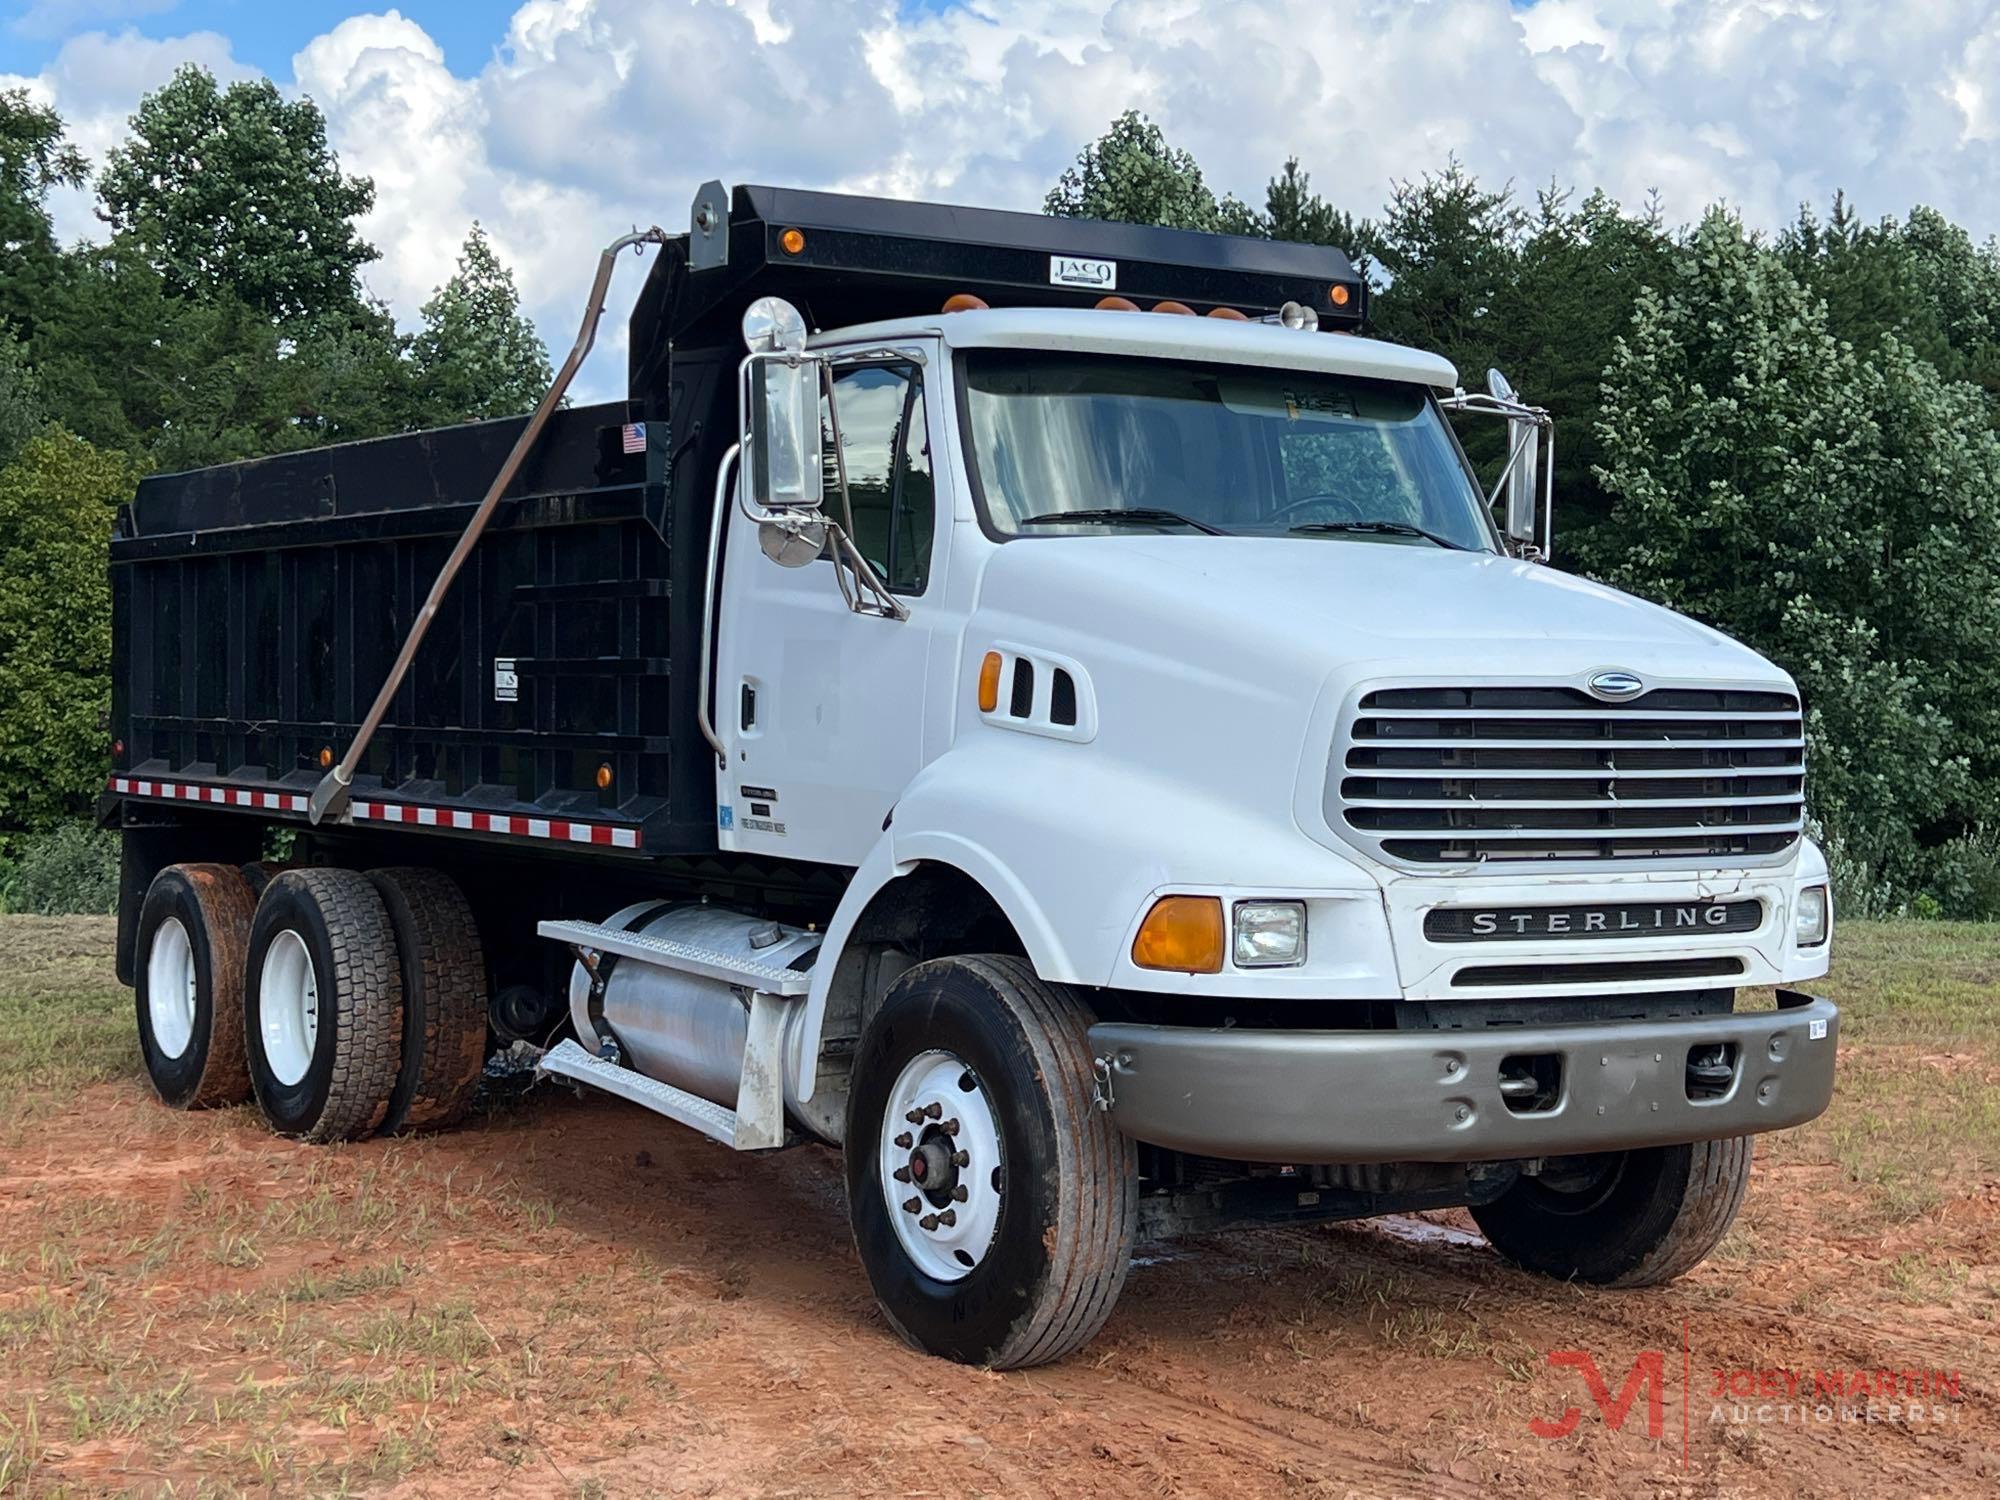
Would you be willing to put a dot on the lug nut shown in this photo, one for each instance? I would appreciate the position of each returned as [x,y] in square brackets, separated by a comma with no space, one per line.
[960,1193]
[932,1110]
[948,1218]
[950,1127]
[961,1158]
[901,1174]
[904,1142]
[928,1221]
[915,1117]
[911,1205]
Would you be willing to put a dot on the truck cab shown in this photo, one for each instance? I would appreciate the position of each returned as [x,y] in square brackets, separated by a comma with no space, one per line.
[1130,774]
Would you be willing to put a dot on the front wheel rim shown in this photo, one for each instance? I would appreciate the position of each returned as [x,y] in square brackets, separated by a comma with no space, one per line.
[170,983]
[288,1007]
[943,1169]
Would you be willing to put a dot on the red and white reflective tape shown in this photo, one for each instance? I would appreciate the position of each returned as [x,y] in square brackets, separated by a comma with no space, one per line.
[224,796]
[559,830]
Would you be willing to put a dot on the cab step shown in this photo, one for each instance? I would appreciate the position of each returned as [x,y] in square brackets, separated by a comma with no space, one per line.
[568,1060]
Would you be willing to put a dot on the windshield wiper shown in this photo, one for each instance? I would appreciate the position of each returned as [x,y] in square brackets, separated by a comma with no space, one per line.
[1145,515]
[1381,528]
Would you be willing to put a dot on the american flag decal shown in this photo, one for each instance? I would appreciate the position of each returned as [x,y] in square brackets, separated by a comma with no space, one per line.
[635,437]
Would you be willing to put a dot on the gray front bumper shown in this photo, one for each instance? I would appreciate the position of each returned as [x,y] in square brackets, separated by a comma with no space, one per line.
[1363,1096]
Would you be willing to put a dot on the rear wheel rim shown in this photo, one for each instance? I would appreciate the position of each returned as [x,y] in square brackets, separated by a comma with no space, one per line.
[170,982]
[942,1165]
[288,1007]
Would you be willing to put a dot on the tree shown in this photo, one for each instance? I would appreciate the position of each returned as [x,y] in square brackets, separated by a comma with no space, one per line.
[35,159]
[1131,174]
[1841,515]
[56,505]
[1293,211]
[21,411]
[478,355]
[235,191]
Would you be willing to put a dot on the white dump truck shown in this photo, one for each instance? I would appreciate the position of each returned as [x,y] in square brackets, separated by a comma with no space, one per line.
[1044,707]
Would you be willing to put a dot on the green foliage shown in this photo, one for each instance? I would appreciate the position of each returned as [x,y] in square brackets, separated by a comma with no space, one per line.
[1965,874]
[21,410]
[69,870]
[56,503]
[1132,175]
[34,158]
[478,356]
[235,192]
[1841,515]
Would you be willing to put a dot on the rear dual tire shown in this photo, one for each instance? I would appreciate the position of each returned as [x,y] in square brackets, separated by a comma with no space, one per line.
[194,933]
[365,1003]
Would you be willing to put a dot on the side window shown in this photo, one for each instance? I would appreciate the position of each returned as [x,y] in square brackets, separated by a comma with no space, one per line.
[888,455]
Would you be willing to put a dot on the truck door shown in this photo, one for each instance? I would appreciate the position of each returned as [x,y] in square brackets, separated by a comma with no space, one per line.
[821,708]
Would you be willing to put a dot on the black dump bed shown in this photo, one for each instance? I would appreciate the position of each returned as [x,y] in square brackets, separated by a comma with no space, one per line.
[258,607]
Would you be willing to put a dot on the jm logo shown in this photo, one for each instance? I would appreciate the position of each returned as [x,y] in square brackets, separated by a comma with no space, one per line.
[1648,1374]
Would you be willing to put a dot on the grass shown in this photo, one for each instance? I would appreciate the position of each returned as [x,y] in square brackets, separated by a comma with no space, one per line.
[64,1018]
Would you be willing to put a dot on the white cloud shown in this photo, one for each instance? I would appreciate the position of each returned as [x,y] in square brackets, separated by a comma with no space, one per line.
[594,115]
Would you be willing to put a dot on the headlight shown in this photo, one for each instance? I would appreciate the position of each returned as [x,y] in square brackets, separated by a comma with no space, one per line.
[1270,934]
[1809,924]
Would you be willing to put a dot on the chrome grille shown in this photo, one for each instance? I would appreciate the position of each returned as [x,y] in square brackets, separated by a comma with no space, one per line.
[1456,775]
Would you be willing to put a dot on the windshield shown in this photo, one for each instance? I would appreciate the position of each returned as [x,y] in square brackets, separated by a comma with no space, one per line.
[1071,445]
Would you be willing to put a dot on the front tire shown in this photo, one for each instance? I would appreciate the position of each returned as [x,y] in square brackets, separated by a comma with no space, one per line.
[323,1005]
[194,928]
[1622,1219]
[993,1203]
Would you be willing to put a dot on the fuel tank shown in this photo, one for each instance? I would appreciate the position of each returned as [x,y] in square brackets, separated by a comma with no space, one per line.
[684,1029]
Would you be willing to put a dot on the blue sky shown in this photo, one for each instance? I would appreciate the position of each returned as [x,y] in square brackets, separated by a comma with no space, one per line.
[264,33]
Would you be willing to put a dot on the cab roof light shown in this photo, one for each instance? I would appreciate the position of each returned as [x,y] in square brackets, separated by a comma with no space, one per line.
[1117,304]
[1229,313]
[1179,309]
[965,302]
[1181,933]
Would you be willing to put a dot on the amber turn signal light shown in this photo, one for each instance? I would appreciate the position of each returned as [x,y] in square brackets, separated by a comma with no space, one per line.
[1182,933]
[989,683]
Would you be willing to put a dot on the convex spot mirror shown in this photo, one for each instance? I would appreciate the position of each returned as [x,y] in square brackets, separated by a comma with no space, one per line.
[781,394]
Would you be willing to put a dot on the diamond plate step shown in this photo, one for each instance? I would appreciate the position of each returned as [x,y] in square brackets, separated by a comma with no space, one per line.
[664,953]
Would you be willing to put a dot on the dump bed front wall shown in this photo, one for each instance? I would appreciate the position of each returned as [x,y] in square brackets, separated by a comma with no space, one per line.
[258,608]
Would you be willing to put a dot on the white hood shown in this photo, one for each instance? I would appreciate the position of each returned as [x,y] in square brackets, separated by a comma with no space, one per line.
[1344,602]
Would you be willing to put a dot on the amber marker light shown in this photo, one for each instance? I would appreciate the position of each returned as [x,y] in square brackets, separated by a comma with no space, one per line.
[989,683]
[1229,313]
[792,241]
[1340,294]
[325,756]
[1182,933]
[604,778]
[964,302]
[1178,309]
[1116,304]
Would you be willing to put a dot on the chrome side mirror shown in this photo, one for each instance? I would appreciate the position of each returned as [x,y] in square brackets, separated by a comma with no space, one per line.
[1524,446]
[781,409]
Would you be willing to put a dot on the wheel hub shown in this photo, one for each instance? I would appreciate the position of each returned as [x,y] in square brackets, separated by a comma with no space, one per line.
[942,1167]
